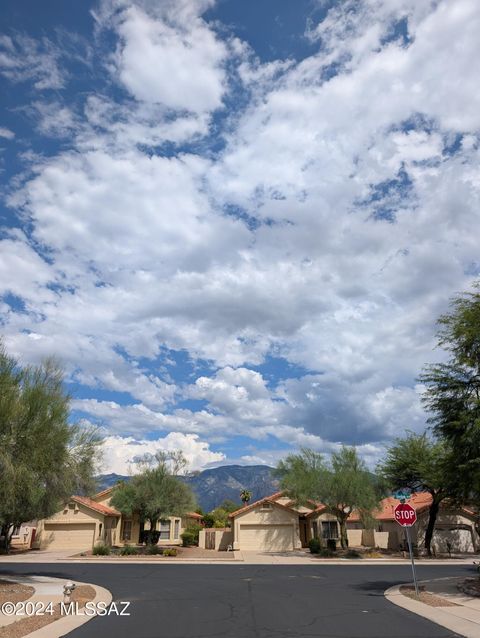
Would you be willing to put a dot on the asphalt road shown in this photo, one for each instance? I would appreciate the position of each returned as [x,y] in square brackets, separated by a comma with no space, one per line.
[251,601]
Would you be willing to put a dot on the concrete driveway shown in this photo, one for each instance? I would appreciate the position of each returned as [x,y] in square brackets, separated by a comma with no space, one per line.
[251,601]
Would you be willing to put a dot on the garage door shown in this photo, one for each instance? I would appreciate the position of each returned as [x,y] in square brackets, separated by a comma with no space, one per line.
[64,536]
[270,538]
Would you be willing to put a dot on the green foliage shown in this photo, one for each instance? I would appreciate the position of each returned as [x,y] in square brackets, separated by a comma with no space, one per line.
[245,496]
[153,550]
[170,551]
[128,550]
[188,538]
[352,553]
[229,506]
[43,458]
[154,494]
[209,520]
[315,545]
[342,486]
[101,550]
[452,393]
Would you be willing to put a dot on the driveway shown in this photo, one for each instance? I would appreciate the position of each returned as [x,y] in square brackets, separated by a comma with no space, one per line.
[251,601]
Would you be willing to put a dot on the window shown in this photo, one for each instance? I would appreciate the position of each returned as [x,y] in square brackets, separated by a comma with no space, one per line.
[315,529]
[16,531]
[71,506]
[100,527]
[329,529]
[127,531]
[164,530]
[266,506]
[176,533]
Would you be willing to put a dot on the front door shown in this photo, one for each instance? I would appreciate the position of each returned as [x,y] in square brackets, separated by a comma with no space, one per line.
[303,532]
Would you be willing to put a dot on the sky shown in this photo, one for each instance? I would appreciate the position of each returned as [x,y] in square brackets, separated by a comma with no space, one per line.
[235,224]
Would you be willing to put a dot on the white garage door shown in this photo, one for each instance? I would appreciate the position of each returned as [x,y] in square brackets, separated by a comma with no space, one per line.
[270,538]
[65,536]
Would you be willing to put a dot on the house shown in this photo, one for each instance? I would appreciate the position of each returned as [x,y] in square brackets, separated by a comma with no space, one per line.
[84,522]
[275,523]
[455,527]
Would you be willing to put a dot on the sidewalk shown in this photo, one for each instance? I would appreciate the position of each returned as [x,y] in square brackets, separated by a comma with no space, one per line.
[50,590]
[463,617]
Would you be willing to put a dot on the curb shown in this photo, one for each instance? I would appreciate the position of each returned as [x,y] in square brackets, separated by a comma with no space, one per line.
[458,625]
[58,628]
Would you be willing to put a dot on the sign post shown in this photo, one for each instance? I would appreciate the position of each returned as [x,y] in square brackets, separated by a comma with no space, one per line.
[406,516]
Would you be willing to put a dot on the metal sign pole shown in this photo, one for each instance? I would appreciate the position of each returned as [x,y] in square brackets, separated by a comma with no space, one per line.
[409,541]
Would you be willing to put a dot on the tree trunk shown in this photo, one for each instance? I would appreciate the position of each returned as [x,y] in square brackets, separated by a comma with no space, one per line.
[343,532]
[432,517]
[7,531]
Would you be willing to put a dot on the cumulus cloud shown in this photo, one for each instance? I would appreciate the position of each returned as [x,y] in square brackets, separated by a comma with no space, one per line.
[120,453]
[328,232]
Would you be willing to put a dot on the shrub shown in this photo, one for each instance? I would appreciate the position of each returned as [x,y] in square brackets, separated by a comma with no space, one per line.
[326,553]
[170,551]
[315,545]
[188,538]
[191,535]
[128,550]
[352,553]
[101,550]
[153,550]
[150,536]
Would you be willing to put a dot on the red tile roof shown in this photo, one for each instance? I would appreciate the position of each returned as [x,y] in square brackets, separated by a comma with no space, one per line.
[266,499]
[194,515]
[97,507]
[419,500]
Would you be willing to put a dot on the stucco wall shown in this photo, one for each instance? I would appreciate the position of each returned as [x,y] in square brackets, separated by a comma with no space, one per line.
[67,515]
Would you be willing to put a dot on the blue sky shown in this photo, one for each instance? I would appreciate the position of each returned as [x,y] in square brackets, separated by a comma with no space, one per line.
[235,223]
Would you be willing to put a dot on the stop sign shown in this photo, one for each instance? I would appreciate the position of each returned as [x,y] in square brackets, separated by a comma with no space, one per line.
[405,515]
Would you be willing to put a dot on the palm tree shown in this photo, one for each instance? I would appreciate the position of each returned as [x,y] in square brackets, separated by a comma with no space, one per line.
[245,495]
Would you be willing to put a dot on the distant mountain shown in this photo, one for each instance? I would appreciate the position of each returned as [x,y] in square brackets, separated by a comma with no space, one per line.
[213,486]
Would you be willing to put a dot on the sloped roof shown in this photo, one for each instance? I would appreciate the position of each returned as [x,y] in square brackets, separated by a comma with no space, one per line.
[103,493]
[265,499]
[419,500]
[97,507]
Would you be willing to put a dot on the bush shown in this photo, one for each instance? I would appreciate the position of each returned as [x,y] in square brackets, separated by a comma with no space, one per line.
[326,553]
[188,538]
[150,536]
[153,550]
[128,550]
[352,553]
[101,550]
[315,545]
[170,551]
[190,535]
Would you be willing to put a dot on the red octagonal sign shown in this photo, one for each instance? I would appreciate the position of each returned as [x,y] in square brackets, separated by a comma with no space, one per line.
[405,515]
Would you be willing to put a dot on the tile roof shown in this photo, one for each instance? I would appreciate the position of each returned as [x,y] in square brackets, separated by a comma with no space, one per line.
[265,499]
[97,507]
[419,500]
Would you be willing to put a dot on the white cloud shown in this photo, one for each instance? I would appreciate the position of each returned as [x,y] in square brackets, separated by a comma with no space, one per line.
[120,453]
[23,58]
[163,59]
[6,133]
[362,199]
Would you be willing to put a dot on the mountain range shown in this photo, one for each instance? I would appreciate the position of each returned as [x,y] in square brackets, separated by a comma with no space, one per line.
[214,485]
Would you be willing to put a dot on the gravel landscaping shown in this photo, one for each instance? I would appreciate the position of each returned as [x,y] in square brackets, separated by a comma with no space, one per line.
[14,592]
[82,594]
[426,597]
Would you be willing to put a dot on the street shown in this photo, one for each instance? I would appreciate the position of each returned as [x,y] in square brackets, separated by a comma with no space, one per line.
[251,601]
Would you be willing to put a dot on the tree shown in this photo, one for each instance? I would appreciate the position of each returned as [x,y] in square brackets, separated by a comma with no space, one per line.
[43,458]
[452,393]
[155,493]
[420,463]
[342,486]
[245,496]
